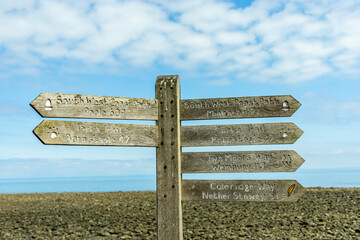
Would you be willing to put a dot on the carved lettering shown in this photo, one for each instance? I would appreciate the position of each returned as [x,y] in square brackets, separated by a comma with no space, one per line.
[96,139]
[124,139]
[232,113]
[89,129]
[229,130]
[223,186]
[242,139]
[286,160]
[113,130]
[254,197]
[266,186]
[95,112]
[216,195]
[264,157]
[274,196]
[238,167]
[102,101]
[249,103]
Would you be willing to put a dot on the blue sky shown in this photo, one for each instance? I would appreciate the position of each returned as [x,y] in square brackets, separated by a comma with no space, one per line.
[308,49]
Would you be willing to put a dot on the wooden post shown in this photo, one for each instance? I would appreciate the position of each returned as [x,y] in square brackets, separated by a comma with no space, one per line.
[168,159]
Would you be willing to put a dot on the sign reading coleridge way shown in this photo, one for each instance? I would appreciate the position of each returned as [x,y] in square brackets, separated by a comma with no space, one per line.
[96,134]
[89,106]
[240,161]
[241,190]
[239,107]
[239,134]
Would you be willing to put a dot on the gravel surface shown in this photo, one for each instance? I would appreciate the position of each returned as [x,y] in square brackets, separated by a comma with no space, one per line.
[319,214]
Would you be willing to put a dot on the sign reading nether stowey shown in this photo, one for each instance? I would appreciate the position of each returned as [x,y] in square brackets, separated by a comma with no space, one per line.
[242,190]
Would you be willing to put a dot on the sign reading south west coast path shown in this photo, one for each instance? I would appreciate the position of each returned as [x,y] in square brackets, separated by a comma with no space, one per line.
[240,161]
[239,107]
[89,106]
[96,134]
[242,190]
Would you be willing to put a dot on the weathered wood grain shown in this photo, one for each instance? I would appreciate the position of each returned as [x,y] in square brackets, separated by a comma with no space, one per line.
[238,107]
[96,134]
[239,134]
[168,159]
[242,190]
[89,106]
[240,161]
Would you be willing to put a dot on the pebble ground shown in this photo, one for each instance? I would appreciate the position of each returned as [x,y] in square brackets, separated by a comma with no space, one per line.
[319,214]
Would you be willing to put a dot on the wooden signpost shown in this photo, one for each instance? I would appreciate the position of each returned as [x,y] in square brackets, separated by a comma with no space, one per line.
[169,136]
[168,159]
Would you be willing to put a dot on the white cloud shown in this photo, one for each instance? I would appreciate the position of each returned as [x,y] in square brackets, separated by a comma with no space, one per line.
[326,109]
[288,41]
[9,108]
[337,152]
[220,82]
[234,38]
[352,107]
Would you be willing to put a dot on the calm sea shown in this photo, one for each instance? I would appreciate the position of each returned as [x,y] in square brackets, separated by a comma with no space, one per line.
[307,178]
[78,184]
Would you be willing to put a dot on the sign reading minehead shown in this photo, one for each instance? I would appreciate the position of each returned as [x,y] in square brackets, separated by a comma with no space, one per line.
[168,136]
[239,107]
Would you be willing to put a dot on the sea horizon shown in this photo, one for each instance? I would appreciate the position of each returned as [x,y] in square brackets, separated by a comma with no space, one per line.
[326,178]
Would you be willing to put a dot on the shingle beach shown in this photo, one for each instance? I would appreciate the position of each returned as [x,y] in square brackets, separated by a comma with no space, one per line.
[319,214]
